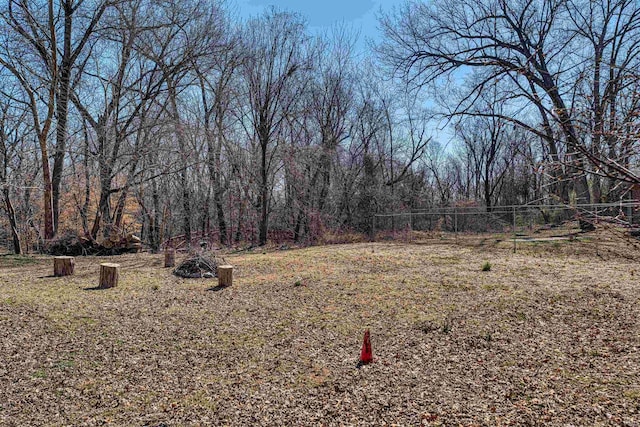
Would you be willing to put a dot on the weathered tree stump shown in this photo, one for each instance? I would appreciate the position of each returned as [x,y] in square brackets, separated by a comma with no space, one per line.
[63,266]
[109,273]
[169,257]
[225,275]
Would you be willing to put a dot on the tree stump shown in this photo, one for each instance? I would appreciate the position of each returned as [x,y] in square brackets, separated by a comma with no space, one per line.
[109,275]
[169,257]
[225,275]
[63,266]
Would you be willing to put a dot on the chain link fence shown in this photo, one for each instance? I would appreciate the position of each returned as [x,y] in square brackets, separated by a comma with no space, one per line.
[517,223]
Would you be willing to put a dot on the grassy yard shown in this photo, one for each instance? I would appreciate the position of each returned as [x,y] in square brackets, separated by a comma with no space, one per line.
[547,336]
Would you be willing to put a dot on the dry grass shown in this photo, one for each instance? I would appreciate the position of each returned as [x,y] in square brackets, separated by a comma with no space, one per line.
[539,339]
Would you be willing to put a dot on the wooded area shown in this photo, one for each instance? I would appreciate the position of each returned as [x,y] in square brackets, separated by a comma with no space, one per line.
[169,119]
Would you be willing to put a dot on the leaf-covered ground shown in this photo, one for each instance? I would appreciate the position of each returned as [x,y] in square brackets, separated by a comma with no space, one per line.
[543,338]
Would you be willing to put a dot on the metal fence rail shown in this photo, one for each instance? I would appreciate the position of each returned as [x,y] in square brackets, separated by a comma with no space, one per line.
[518,222]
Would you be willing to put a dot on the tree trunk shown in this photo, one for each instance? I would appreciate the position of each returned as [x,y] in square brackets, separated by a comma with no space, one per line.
[186,204]
[17,247]
[264,196]
[155,227]
[205,219]
[487,191]
[238,235]
[119,212]
[47,197]
[215,148]
[222,225]
[84,210]
[62,107]
[124,193]
[103,212]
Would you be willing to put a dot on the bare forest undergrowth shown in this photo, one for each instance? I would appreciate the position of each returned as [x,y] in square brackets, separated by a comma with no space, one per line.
[548,336]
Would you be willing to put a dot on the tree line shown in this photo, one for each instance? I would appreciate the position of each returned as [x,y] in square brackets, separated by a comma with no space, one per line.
[180,119]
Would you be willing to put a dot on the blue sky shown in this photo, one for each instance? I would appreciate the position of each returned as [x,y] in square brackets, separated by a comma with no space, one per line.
[359,15]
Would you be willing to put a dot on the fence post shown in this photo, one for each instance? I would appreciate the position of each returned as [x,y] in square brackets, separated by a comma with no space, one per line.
[514,230]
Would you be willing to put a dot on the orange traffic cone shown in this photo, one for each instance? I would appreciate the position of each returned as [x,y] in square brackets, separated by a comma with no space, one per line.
[366,355]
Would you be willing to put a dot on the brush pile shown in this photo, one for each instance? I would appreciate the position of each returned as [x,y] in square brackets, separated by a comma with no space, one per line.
[198,266]
[71,244]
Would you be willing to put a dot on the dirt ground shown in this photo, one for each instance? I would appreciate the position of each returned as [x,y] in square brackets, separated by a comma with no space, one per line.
[549,336]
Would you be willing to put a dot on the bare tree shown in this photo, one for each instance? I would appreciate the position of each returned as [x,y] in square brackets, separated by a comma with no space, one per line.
[190,33]
[317,133]
[217,81]
[277,54]
[126,92]
[369,129]
[17,57]
[530,44]
[74,45]
[488,144]
[53,47]
[331,104]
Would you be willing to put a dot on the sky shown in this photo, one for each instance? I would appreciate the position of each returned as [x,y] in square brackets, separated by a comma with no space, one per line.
[358,15]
